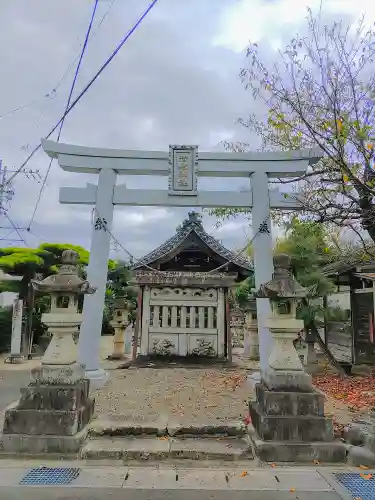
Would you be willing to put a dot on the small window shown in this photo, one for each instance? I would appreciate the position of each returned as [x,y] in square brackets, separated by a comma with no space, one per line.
[62,302]
[284,307]
[119,313]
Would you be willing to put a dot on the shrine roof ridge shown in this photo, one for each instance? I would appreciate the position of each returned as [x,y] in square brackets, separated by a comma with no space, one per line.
[189,226]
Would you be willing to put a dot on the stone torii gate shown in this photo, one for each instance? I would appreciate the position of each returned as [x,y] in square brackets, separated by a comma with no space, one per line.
[183,165]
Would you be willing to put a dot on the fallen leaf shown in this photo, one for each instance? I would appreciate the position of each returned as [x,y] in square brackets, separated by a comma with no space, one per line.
[363,467]
[273,465]
[244,473]
[292,490]
[366,476]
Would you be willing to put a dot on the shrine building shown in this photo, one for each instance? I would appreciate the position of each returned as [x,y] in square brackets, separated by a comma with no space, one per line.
[183,304]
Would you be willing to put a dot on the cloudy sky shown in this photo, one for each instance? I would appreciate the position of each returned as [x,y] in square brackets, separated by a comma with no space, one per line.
[175,81]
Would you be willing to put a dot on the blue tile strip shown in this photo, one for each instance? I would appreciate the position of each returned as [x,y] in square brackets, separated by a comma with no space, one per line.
[358,486]
[50,476]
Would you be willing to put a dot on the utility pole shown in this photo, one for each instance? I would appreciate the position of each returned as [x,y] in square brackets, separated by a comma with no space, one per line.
[6,196]
[6,191]
[21,330]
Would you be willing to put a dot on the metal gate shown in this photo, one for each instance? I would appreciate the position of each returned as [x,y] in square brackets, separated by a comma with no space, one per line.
[363,325]
[183,321]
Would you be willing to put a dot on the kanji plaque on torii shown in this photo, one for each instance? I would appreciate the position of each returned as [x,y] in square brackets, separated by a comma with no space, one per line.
[183,163]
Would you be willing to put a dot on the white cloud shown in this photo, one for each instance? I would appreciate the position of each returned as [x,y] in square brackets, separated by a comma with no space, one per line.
[255,20]
[169,84]
[141,217]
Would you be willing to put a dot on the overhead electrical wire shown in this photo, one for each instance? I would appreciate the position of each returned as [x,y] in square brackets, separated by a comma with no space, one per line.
[87,86]
[16,229]
[52,94]
[24,106]
[260,230]
[66,108]
[62,79]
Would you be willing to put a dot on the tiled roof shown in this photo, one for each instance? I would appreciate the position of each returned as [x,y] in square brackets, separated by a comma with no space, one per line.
[193,224]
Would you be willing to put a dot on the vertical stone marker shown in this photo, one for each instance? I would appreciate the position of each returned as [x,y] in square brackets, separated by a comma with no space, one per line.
[251,339]
[288,413]
[52,412]
[120,321]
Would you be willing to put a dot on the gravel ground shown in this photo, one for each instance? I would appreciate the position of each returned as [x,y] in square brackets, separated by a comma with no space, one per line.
[188,395]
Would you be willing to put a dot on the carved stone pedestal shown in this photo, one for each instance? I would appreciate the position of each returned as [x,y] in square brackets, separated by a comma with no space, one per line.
[288,420]
[51,414]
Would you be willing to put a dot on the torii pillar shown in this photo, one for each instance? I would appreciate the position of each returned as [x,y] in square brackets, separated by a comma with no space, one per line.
[183,166]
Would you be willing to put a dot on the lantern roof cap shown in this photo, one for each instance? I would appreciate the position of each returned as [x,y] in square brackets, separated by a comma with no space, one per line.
[67,279]
[283,284]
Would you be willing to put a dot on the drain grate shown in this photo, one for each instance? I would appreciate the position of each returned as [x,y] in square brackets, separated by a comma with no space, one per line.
[49,476]
[358,486]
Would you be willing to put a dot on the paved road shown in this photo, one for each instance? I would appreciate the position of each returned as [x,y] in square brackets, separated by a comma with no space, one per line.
[140,494]
[165,482]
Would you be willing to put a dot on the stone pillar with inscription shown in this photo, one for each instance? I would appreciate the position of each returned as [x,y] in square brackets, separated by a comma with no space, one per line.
[15,347]
[120,321]
[52,412]
[251,340]
[288,413]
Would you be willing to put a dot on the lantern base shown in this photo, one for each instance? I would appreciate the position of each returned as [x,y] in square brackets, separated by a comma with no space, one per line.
[58,374]
[290,426]
[51,415]
[286,380]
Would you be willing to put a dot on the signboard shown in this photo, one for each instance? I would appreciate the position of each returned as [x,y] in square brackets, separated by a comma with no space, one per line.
[15,349]
[183,164]
[177,278]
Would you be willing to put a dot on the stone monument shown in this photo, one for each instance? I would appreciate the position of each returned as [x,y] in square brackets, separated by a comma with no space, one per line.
[120,321]
[52,412]
[251,340]
[288,413]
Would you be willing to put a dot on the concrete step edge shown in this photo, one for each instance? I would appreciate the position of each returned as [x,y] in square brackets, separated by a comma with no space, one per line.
[118,429]
[147,448]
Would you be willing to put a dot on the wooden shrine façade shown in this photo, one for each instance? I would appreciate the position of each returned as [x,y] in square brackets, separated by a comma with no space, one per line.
[184,308]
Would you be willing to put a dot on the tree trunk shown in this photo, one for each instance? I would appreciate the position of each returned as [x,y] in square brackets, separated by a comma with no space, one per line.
[368,214]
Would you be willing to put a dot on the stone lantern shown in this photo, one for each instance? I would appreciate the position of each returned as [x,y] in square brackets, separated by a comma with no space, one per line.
[288,412]
[63,320]
[285,293]
[120,321]
[52,413]
[251,340]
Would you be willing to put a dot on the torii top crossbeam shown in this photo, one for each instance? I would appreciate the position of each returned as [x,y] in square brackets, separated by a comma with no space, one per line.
[90,160]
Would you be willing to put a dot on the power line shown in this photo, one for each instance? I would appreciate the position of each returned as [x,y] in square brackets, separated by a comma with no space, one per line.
[103,225]
[78,66]
[66,108]
[24,106]
[7,235]
[87,87]
[61,81]
[16,229]
[52,94]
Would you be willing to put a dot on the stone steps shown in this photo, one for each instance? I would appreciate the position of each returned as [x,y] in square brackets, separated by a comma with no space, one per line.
[123,440]
[155,448]
[123,428]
